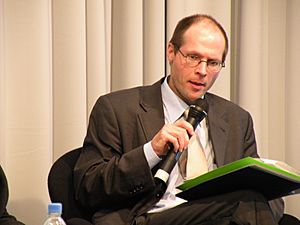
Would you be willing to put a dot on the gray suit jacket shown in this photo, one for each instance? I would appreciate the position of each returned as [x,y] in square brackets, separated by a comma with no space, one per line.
[112,173]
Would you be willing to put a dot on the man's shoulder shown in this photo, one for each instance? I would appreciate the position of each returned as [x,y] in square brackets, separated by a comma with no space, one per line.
[133,95]
[224,105]
[216,99]
[134,91]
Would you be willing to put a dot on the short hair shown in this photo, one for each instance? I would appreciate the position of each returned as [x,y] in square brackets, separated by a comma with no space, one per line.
[185,23]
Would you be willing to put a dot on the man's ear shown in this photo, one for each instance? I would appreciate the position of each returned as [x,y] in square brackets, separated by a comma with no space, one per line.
[170,53]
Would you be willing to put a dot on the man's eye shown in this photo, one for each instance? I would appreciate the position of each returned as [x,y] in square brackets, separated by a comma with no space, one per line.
[193,57]
[213,63]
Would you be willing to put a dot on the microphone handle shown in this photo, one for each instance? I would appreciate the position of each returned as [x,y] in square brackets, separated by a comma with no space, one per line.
[162,175]
[170,160]
[172,157]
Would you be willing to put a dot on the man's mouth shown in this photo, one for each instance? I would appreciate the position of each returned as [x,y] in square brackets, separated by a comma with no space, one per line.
[197,84]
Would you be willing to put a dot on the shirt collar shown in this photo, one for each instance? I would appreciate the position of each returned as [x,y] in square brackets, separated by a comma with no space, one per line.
[173,105]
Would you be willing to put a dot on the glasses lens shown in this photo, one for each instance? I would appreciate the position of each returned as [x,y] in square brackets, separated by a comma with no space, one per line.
[191,63]
[214,67]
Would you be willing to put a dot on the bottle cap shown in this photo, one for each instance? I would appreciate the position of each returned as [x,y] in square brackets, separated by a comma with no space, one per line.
[55,208]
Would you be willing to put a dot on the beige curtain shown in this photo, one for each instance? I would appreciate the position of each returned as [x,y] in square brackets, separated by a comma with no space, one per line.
[26,105]
[58,56]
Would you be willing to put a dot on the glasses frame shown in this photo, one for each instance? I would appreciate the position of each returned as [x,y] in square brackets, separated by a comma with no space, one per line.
[209,66]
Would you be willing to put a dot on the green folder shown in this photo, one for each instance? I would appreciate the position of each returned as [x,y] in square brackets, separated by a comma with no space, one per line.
[272,180]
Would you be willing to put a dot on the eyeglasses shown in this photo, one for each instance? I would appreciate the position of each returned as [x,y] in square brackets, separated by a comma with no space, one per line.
[213,66]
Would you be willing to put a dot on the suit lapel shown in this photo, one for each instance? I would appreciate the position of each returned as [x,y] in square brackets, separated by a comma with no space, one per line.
[218,129]
[151,116]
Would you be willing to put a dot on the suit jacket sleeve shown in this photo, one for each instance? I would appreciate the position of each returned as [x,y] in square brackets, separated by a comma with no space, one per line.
[112,169]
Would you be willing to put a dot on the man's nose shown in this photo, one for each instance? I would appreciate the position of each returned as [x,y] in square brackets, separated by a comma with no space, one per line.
[201,68]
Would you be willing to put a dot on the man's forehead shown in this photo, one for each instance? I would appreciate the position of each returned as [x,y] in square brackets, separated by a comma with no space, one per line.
[204,28]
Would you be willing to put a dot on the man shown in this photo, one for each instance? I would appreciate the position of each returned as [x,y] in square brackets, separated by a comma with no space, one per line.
[129,133]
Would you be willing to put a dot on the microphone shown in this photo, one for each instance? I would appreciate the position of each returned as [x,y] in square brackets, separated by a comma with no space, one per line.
[197,112]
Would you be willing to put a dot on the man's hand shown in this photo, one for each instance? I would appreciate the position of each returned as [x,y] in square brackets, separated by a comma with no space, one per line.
[176,133]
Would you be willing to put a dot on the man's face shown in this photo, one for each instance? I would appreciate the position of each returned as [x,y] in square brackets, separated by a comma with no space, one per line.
[202,40]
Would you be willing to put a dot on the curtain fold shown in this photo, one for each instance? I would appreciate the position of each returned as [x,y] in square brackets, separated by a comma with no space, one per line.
[69,74]
[98,50]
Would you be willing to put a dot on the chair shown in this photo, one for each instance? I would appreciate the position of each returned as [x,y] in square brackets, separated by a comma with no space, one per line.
[289,220]
[5,217]
[61,189]
[4,192]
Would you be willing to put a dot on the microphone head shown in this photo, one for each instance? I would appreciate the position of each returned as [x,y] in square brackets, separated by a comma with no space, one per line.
[202,103]
[197,112]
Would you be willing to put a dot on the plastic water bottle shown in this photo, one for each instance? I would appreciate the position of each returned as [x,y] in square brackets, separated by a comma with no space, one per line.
[54,215]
